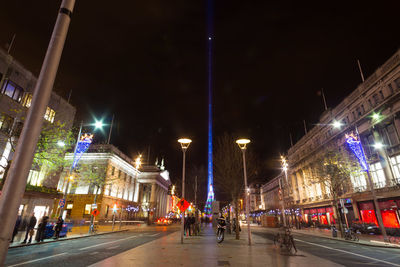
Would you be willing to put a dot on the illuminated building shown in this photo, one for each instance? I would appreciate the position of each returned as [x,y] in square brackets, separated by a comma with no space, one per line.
[142,194]
[373,109]
[17,86]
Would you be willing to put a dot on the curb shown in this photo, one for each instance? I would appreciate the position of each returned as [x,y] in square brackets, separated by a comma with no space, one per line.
[65,239]
[342,240]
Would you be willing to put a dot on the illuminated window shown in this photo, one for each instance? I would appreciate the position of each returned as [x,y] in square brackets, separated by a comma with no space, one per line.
[33,177]
[395,161]
[27,100]
[88,209]
[50,114]
[70,206]
[378,176]
[359,182]
[13,91]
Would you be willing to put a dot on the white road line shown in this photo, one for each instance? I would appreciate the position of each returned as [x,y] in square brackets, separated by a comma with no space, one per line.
[154,234]
[117,246]
[107,243]
[351,253]
[26,262]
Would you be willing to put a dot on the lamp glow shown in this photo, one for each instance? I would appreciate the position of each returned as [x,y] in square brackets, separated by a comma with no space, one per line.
[378,145]
[185,142]
[98,124]
[242,143]
[337,124]
[61,143]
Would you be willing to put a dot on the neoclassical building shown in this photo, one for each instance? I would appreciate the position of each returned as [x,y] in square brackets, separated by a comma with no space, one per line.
[373,109]
[119,186]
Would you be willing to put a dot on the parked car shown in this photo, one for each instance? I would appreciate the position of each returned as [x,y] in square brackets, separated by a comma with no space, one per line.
[365,228]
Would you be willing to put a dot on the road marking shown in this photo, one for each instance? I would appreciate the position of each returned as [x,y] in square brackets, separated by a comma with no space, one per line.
[26,262]
[107,243]
[154,234]
[352,253]
[117,246]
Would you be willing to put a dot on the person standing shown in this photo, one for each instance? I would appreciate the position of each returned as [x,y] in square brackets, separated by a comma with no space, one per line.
[40,234]
[58,227]
[17,224]
[30,226]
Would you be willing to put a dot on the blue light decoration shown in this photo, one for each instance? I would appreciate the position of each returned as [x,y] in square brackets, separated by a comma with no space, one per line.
[210,193]
[81,147]
[354,143]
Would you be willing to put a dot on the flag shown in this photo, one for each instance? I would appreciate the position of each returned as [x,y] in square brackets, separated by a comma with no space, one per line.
[183,205]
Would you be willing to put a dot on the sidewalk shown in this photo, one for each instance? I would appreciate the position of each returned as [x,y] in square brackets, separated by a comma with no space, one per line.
[367,240]
[203,250]
[77,232]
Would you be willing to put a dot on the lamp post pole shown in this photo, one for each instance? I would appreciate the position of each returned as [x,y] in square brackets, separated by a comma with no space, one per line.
[184,144]
[242,145]
[284,168]
[14,187]
[372,188]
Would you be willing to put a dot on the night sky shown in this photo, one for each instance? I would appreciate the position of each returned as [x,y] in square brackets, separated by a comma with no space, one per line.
[146,63]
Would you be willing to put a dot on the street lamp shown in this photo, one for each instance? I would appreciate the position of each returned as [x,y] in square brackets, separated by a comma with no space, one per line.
[185,143]
[97,124]
[285,166]
[242,143]
[356,146]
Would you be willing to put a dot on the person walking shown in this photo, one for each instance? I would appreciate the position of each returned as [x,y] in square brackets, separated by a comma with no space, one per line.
[58,227]
[40,234]
[17,224]
[30,228]
[192,224]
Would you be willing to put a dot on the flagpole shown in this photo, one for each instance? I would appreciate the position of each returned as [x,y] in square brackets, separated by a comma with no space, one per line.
[323,98]
[361,72]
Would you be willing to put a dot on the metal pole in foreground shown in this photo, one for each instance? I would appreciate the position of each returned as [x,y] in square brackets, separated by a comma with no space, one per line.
[15,183]
[183,194]
[282,203]
[247,196]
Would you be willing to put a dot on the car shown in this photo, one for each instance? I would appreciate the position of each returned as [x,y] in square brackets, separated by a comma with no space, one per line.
[163,221]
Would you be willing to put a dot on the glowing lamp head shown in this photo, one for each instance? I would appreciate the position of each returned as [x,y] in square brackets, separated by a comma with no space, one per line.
[378,145]
[138,161]
[185,143]
[71,177]
[242,143]
[337,124]
[98,124]
[115,208]
[376,116]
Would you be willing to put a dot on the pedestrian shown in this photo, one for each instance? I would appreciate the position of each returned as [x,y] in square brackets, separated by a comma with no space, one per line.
[30,228]
[17,224]
[58,227]
[192,224]
[187,226]
[40,234]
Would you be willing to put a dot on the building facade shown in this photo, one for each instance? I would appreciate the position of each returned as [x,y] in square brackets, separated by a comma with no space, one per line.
[111,180]
[372,110]
[16,89]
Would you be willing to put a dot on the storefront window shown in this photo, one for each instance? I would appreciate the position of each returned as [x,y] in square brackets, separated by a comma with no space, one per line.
[389,218]
[88,208]
[368,216]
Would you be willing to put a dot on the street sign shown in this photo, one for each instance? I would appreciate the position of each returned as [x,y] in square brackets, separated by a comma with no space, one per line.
[61,203]
[183,205]
[94,206]
[95,212]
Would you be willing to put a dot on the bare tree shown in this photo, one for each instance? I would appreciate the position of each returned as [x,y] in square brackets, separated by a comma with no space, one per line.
[228,166]
[332,170]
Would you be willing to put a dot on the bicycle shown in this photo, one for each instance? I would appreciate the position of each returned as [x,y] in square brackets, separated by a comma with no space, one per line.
[349,234]
[285,240]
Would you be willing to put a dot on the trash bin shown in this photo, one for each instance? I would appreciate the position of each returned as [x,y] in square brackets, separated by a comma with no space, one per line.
[334,231]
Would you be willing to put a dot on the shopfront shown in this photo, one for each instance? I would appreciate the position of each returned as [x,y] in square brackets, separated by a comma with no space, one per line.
[323,216]
[389,210]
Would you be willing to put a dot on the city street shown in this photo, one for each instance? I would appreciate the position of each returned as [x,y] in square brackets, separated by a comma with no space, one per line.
[84,251]
[343,253]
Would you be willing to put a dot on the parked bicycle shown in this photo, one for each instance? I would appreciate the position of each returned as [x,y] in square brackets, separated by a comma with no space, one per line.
[285,239]
[394,240]
[349,234]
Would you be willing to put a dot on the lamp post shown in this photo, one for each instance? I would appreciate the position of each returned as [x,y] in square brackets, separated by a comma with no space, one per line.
[97,125]
[242,143]
[365,166]
[185,143]
[284,168]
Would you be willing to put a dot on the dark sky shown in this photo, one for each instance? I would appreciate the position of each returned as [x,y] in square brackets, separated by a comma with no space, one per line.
[146,62]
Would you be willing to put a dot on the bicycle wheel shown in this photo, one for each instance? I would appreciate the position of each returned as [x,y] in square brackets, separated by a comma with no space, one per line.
[220,236]
[289,245]
[355,238]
